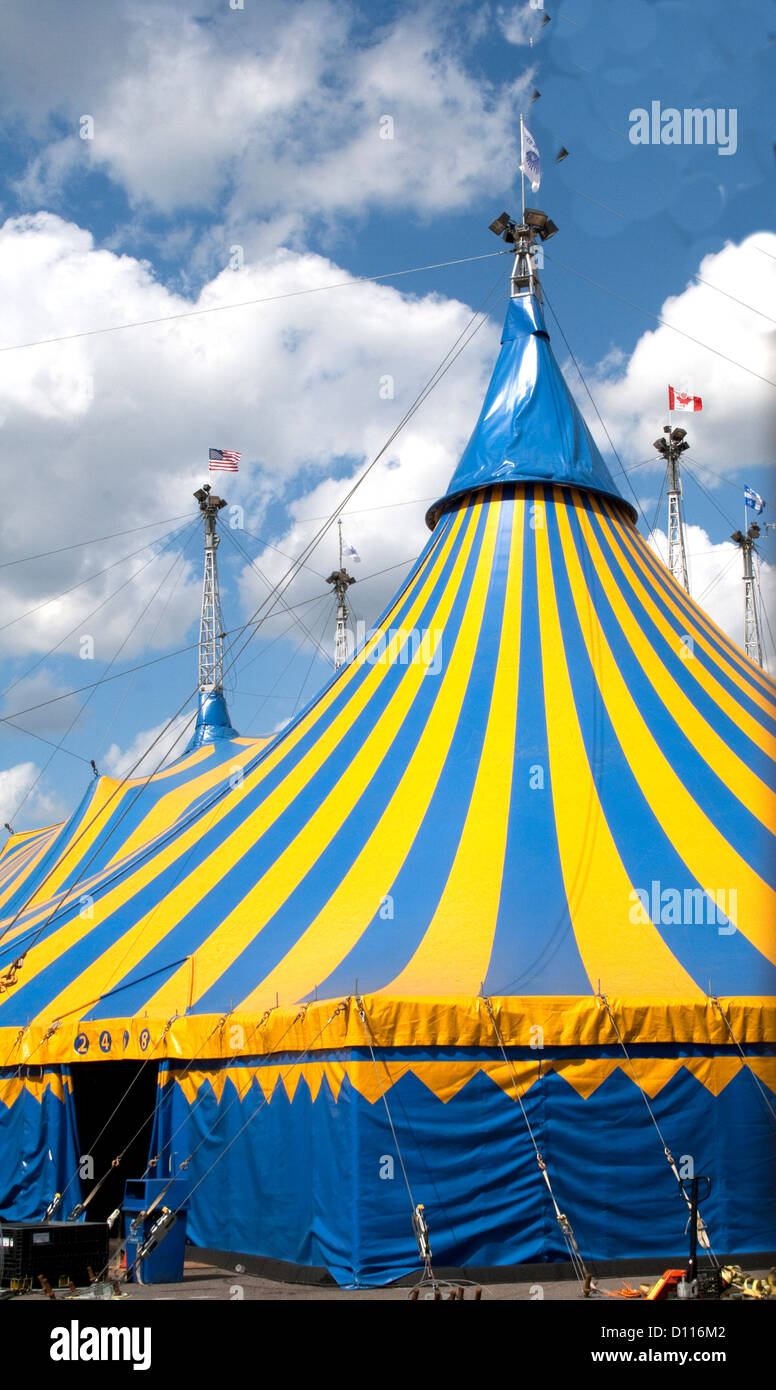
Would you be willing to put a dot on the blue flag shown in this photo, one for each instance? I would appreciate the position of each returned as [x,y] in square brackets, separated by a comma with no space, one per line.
[753,500]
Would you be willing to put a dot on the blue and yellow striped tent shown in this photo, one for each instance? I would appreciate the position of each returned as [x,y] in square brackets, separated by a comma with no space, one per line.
[513,866]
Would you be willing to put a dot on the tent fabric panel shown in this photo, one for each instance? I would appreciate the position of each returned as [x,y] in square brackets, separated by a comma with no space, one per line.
[445,1021]
[39,1150]
[530,427]
[318,1181]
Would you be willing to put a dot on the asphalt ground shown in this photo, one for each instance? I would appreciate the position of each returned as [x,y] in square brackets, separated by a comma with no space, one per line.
[205,1283]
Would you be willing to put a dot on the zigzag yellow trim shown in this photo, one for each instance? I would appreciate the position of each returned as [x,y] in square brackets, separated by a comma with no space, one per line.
[35,1086]
[446,1079]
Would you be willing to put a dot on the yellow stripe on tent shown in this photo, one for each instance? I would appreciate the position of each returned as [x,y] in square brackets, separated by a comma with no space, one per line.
[756,795]
[710,858]
[135,944]
[621,955]
[454,954]
[243,924]
[352,906]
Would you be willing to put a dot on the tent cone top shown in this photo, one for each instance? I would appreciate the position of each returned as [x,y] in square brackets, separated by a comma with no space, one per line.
[213,722]
[530,428]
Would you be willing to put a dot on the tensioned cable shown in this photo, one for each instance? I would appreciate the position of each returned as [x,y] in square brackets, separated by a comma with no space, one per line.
[219,1117]
[734,298]
[450,357]
[716,1004]
[268,585]
[595,407]
[249,303]
[88,617]
[197,811]
[658,319]
[93,691]
[447,361]
[60,748]
[329,661]
[180,559]
[714,473]
[383,507]
[659,503]
[271,694]
[269,546]
[367,1032]
[715,581]
[96,575]
[577,1261]
[690,470]
[77,545]
[168,656]
[702,1231]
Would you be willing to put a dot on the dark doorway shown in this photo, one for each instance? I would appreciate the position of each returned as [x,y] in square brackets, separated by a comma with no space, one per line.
[99,1089]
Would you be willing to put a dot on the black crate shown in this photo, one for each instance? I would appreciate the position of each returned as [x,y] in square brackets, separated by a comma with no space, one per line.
[59,1250]
[710,1283]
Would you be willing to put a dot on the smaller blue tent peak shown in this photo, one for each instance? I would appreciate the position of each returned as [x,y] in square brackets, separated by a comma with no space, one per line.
[530,428]
[213,722]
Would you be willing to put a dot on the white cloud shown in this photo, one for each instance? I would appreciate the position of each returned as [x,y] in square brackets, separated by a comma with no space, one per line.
[114,428]
[146,752]
[716,583]
[737,404]
[24,801]
[51,709]
[520,24]
[295,99]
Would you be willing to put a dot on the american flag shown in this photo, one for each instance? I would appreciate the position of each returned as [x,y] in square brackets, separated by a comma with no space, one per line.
[223,460]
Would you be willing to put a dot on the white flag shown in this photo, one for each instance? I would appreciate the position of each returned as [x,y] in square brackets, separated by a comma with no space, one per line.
[350,553]
[531,163]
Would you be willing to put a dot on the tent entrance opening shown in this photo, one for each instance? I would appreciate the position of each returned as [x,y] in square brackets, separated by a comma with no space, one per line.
[99,1090]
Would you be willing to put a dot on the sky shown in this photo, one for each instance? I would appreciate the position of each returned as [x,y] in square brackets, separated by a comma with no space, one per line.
[263,227]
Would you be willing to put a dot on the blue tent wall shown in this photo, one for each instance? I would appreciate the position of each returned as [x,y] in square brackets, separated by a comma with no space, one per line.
[39,1148]
[305,1181]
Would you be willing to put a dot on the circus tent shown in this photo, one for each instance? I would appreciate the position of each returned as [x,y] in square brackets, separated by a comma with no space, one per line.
[504,887]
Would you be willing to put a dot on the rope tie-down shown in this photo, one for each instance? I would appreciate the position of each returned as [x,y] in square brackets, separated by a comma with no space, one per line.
[586,1281]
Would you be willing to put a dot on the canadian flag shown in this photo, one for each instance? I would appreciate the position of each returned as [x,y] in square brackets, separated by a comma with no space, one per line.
[679,400]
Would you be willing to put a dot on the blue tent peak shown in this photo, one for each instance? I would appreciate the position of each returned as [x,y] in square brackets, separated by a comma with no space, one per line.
[213,722]
[530,428]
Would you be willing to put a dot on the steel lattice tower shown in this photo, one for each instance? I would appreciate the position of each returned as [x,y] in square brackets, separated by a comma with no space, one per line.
[753,645]
[341,581]
[211,633]
[671,446]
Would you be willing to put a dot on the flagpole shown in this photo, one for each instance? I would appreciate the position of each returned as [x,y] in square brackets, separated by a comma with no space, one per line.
[522,166]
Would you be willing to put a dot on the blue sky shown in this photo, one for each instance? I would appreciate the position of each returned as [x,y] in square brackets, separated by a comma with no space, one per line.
[235,155]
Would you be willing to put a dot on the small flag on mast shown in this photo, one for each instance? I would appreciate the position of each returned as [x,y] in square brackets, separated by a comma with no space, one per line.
[223,460]
[753,499]
[681,400]
[349,552]
[530,161]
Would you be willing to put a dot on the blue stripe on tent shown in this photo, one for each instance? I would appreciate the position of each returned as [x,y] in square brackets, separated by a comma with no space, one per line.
[646,851]
[682,671]
[314,891]
[732,817]
[301,1180]
[524,959]
[385,948]
[231,889]
[663,588]
[32,995]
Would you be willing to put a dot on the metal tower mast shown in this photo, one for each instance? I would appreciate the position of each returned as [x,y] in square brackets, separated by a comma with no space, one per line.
[341,581]
[523,236]
[753,645]
[672,446]
[211,633]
